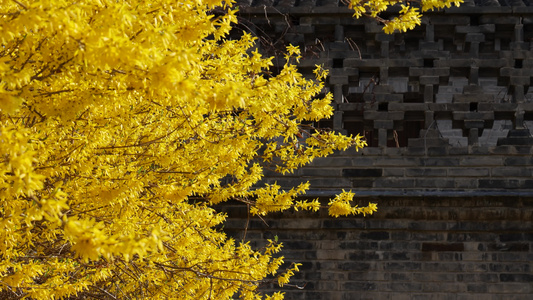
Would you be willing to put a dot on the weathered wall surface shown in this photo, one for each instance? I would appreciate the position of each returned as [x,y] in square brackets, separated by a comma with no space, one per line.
[414,248]
[446,107]
[446,110]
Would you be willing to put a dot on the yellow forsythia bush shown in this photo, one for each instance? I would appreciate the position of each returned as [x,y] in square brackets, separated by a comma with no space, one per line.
[113,114]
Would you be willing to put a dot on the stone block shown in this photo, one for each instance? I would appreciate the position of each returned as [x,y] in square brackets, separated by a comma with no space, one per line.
[394,183]
[484,28]
[372,98]
[474,37]
[404,63]
[433,80]
[425,172]
[499,184]
[385,124]
[516,277]
[362,183]
[499,19]
[382,89]
[455,63]
[377,115]
[470,115]
[512,172]
[408,106]
[338,80]
[520,80]
[359,286]
[375,235]
[383,37]
[434,183]
[305,29]
[441,162]
[473,98]
[294,38]
[499,107]
[427,142]
[414,71]
[438,151]
[362,172]
[507,71]
[364,63]
[450,20]
[469,172]
[439,247]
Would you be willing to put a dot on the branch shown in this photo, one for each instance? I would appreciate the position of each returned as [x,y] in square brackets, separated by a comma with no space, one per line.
[20,4]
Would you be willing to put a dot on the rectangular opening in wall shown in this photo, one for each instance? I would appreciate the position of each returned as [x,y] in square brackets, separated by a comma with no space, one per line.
[474,20]
[401,134]
[371,138]
[446,34]
[354,98]
[354,128]
[489,72]
[326,33]
[528,32]
[488,45]
[443,115]
[295,20]
[505,115]
[528,116]
[338,62]
[413,97]
[398,72]
[504,33]
[460,72]
[354,36]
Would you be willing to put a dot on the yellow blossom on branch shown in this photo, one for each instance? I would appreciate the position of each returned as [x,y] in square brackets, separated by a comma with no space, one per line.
[407,18]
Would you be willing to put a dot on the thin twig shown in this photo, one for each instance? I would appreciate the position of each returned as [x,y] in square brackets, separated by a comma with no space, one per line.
[20,4]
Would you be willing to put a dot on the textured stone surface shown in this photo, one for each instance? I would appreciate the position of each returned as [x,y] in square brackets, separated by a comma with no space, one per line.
[415,248]
[449,101]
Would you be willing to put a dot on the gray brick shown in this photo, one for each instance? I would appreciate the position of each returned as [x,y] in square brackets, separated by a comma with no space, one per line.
[425,172]
[362,172]
[468,172]
[512,288]
[429,71]
[434,183]
[375,115]
[429,80]
[473,115]
[482,161]
[499,184]
[511,172]
[441,162]
[474,37]
[520,80]
[394,183]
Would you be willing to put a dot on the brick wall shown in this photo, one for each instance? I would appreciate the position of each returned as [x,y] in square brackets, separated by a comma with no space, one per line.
[413,248]
[446,110]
